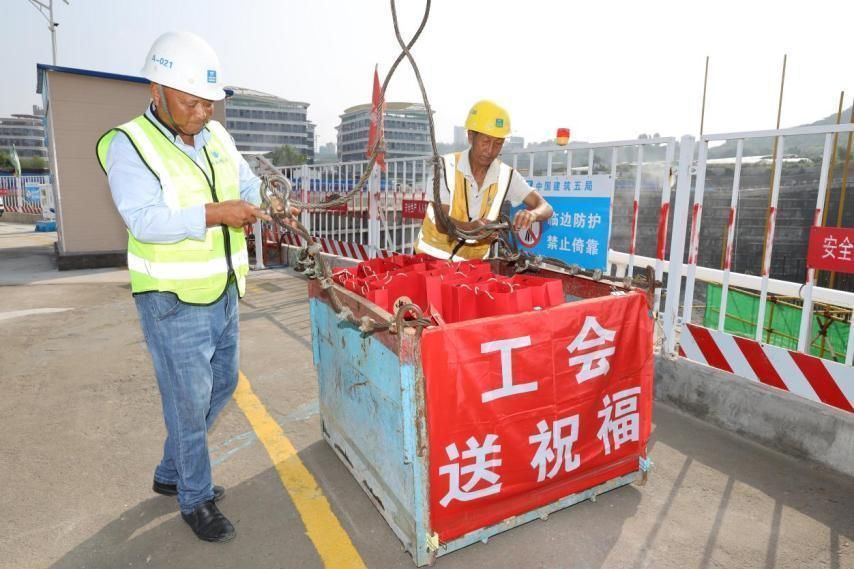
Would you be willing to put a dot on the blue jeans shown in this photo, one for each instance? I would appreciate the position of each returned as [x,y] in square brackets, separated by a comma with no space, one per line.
[195,354]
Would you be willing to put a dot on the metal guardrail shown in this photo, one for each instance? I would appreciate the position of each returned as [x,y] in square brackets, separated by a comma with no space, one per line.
[387,215]
[15,196]
[806,291]
[384,216]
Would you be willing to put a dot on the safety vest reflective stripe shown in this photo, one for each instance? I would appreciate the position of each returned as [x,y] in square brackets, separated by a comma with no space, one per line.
[504,173]
[185,270]
[423,247]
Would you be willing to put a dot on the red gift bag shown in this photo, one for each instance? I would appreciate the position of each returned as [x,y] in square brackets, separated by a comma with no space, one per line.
[373,288]
[434,279]
[458,302]
[407,260]
[409,285]
[500,297]
[342,275]
[468,267]
[433,289]
[544,292]
[451,310]
[374,267]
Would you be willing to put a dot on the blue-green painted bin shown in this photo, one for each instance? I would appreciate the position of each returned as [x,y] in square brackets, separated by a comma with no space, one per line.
[372,408]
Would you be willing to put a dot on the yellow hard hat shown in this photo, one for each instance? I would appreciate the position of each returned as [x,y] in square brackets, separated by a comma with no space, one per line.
[489,118]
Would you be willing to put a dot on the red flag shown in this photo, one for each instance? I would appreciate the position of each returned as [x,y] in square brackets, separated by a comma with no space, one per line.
[376,128]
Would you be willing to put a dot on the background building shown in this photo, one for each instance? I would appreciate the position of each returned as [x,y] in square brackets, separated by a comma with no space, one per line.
[260,122]
[407,133]
[26,132]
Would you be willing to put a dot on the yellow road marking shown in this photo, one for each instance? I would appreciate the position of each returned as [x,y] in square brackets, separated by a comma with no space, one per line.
[323,528]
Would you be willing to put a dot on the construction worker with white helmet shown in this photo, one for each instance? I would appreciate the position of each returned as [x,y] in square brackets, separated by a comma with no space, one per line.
[474,187]
[185,194]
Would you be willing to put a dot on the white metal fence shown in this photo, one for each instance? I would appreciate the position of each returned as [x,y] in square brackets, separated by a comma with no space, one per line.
[803,293]
[21,194]
[653,189]
[387,214]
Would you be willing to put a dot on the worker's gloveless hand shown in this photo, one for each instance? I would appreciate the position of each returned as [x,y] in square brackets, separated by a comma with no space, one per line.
[477,224]
[293,218]
[234,213]
[523,219]
[276,205]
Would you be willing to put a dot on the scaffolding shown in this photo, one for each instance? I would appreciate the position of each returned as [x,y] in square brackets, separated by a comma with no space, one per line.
[782,321]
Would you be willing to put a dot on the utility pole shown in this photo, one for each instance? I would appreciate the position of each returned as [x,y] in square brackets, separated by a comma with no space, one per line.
[46,10]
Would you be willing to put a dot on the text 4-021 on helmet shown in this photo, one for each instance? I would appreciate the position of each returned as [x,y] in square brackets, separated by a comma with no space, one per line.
[186,62]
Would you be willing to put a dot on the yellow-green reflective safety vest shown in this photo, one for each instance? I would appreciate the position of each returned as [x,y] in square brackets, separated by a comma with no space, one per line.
[196,271]
[439,245]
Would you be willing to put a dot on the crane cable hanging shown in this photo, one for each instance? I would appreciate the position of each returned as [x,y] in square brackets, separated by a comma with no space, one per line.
[276,194]
[454,231]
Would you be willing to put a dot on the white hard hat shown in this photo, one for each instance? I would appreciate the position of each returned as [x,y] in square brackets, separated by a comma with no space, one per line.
[184,61]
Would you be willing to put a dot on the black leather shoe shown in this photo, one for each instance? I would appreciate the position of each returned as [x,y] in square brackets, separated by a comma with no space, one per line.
[208,523]
[172,490]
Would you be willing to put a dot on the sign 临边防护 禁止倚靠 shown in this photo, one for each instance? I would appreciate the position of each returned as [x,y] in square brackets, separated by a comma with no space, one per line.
[579,230]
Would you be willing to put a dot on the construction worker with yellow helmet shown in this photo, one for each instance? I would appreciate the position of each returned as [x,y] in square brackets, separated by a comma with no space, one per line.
[474,187]
[185,194]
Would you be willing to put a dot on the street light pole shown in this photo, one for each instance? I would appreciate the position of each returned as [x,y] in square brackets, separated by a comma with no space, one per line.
[43,7]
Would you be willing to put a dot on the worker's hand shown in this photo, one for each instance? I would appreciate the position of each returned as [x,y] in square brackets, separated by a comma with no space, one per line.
[276,205]
[234,213]
[477,224]
[293,218]
[523,219]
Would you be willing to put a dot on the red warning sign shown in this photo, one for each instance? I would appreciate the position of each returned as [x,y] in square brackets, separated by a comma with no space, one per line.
[531,236]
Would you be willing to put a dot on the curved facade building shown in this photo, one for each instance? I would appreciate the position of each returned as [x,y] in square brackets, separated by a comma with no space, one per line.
[260,122]
[26,132]
[407,131]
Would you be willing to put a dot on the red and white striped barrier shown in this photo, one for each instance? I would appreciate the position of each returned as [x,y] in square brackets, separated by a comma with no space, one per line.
[813,378]
[292,239]
[25,208]
[335,247]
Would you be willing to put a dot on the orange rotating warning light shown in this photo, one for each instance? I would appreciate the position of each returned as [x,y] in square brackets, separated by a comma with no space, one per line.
[562,136]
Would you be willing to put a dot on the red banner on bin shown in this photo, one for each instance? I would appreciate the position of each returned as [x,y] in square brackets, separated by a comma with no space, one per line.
[831,249]
[524,410]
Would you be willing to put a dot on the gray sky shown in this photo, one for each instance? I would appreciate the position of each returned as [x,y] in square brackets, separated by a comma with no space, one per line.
[607,69]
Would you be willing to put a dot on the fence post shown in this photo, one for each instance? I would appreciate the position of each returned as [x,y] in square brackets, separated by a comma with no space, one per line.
[304,182]
[374,212]
[806,309]
[19,193]
[677,243]
[696,219]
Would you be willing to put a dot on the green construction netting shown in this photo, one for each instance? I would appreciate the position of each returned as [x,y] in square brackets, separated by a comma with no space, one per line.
[782,323]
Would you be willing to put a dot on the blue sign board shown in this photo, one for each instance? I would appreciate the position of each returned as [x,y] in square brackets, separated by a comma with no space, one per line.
[580,228]
[32,193]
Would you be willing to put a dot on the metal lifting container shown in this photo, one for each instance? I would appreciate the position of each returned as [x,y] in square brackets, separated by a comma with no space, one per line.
[397,408]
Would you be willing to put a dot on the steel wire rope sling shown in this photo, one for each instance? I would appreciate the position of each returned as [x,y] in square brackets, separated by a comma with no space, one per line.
[277,189]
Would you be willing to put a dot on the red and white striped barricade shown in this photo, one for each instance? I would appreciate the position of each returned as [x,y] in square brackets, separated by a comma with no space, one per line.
[810,377]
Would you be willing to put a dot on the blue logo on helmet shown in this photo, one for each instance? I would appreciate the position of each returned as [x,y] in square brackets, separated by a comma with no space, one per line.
[211,75]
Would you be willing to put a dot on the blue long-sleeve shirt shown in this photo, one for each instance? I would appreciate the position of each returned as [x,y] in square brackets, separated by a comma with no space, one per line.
[139,198]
